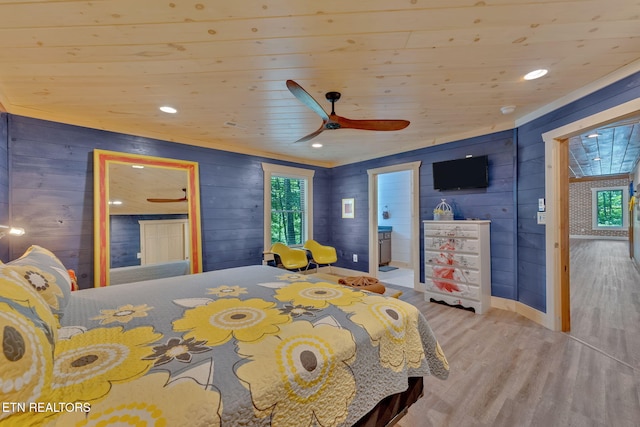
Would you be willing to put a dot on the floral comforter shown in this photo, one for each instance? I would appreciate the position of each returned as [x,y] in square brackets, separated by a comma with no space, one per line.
[249,346]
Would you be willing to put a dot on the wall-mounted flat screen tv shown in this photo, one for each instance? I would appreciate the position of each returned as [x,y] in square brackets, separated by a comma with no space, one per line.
[470,172]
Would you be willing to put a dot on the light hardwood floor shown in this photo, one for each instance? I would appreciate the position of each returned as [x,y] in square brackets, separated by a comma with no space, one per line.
[605,298]
[509,371]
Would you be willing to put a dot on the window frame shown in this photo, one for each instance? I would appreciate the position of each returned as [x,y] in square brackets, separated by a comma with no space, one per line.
[271,170]
[594,208]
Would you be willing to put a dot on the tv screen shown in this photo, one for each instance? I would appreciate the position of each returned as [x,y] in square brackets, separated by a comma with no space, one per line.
[471,172]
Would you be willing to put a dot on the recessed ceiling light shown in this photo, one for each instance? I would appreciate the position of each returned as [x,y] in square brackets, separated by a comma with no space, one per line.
[468,156]
[508,109]
[167,109]
[593,135]
[536,74]
[316,145]
[597,159]
[137,166]
[115,202]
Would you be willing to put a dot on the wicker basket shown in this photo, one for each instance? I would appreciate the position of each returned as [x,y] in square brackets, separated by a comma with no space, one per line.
[443,211]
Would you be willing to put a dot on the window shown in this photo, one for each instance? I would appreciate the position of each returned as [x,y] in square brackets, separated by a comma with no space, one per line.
[288,208]
[609,208]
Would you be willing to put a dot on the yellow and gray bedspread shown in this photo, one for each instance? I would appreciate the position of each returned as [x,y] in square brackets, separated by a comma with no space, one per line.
[248,346]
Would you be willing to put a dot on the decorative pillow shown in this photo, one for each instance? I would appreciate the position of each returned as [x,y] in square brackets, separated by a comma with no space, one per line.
[17,292]
[46,274]
[26,359]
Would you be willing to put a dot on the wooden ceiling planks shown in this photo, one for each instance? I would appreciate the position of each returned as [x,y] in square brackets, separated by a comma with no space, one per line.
[447,66]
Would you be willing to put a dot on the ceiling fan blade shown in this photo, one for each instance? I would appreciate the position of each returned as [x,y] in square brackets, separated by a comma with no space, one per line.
[307,99]
[378,125]
[183,199]
[312,135]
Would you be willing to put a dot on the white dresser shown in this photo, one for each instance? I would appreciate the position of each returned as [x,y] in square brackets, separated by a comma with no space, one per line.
[457,263]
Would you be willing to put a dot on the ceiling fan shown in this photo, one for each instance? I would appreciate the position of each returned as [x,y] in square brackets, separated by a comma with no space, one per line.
[333,121]
[182,199]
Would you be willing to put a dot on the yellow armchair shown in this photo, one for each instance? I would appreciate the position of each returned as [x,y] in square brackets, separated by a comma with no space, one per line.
[321,254]
[290,258]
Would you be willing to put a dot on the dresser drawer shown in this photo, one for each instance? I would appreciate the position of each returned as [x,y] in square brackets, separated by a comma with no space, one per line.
[447,287]
[451,244]
[451,259]
[452,273]
[451,230]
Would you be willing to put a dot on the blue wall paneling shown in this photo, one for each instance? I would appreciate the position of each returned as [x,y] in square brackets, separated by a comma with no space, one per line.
[50,192]
[4,184]
[495,203]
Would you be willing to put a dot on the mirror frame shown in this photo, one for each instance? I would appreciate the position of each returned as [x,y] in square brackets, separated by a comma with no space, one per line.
[102,237]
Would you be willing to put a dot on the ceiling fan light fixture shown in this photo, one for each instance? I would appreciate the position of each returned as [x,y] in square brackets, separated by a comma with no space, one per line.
[316,145]
[333,121]
[167,109]
[536,74]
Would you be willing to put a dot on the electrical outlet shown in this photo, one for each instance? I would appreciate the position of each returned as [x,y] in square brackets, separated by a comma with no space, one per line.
[355,257]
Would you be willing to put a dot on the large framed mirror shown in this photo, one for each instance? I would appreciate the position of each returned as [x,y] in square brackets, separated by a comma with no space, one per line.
[134,193]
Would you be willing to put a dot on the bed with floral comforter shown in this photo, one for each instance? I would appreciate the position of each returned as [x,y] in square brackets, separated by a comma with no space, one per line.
[248,346]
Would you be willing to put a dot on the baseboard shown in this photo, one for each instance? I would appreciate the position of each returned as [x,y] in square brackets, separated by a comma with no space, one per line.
[585,236]
[520,308]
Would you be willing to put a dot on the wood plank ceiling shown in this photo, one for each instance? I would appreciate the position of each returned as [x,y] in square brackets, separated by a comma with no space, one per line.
[448,66]
[130,187]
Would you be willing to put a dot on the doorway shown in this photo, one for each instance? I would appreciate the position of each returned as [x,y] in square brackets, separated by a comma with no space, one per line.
[557,316]
[407,271]
[163,241]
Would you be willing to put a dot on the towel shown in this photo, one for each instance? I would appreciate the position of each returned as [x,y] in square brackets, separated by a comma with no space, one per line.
[363,282]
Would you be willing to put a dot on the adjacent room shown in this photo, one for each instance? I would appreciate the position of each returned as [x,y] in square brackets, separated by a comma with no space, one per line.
[278,213]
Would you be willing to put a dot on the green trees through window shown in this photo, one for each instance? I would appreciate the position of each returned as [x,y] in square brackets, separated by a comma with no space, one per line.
[288,210]
[288,205]
[610,208]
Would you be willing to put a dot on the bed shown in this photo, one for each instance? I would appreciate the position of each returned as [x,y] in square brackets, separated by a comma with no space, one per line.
[247,346]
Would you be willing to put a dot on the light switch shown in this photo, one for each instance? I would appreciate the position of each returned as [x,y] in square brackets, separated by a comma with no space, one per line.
[542,217]
[541,206]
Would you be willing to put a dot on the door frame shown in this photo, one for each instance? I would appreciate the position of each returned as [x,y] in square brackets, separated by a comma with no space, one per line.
[557,316]
[414,168]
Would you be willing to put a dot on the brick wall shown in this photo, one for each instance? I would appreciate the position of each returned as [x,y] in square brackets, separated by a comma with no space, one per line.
[580,213]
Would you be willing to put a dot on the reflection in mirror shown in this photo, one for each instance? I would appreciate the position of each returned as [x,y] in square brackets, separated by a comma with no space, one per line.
[147,217]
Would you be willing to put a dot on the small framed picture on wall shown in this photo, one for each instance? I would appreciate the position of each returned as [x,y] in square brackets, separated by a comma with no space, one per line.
[348,208]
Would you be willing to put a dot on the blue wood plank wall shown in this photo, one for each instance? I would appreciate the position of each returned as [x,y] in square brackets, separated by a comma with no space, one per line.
[531,237]
[495,203]
[125,237]
[4,185]
[52,193]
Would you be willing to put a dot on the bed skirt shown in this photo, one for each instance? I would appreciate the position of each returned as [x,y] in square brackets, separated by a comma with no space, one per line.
[390,409]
